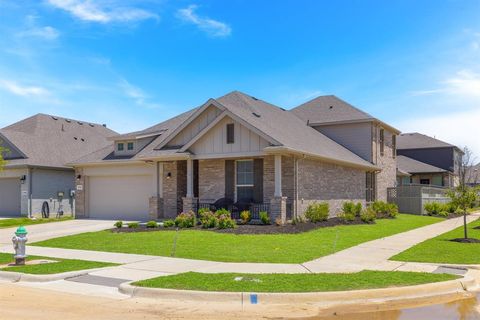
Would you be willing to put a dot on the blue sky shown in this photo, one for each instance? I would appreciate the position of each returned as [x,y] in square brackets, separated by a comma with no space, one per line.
[131,64]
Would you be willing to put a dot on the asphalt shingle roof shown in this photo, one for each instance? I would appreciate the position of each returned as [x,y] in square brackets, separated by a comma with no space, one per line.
[406,164]
[417,140]
[53,141]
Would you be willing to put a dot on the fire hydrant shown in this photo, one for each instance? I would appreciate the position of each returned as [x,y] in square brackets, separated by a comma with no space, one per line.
[19,240]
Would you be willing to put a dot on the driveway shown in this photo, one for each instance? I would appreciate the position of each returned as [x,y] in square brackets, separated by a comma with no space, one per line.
[44,231]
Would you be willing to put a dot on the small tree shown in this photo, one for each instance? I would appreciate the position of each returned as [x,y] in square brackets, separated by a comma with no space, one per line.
[2,160]
[463,195]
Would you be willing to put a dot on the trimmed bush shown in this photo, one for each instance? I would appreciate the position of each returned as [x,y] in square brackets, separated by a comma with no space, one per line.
[133,225]
[225,222]
[433,208]
[203,210]
[185,220]
[168,223]
[152,224]
[384,209]
[118,224]
[368,215]
[317,212]
[246,216]
[264,217]
[352,208]
[222,211]
[208,219]
[346,216]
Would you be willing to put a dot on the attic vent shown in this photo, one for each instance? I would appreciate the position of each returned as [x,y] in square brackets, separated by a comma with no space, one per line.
[256,114]
[75,138]
[54,118]
[91,125]
[80,123]
[82,139]
[331,107]
[68,120]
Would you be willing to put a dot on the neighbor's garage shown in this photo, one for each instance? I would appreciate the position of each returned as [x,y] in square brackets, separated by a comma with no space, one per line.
[10,197]
[119,197]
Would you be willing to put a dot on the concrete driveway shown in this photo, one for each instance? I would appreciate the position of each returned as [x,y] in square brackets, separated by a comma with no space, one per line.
[51,230]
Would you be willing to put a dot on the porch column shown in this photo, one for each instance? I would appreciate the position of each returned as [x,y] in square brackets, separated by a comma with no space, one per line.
[156,201]
[278,175]
[189,178]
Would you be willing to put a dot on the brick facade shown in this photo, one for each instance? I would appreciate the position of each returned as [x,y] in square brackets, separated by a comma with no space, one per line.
[388,176]
[170,208]
[211,179]
[80,198]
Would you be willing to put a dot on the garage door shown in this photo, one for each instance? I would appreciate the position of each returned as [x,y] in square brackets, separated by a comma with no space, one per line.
[10,197]
[119,197]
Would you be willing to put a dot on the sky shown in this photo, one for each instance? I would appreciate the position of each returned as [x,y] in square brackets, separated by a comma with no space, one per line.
[132,64]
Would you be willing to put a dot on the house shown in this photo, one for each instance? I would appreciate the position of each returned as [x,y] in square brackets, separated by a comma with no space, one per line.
[238,148]
[472,176]
[426,160]
[36,150]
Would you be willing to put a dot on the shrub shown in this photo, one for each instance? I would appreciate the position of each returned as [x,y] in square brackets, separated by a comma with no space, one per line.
[151,224]
[432,208]
[443,213]
[246,216]
[384,209]
[346,216]
[352,209]
[168,223]
[118,224]
[208,219]
[264,217]
[225,222]
[449,207]
[222,211]
[133,225]
[368,215]
[185,220]
[317,212]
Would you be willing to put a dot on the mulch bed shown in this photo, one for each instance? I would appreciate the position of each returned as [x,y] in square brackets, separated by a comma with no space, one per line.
[468,240]
[254,228]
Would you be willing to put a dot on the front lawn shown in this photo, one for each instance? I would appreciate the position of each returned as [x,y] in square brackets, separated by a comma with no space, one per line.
[311,282]
[441,250]
[16,222]
[63,265]
[209,245]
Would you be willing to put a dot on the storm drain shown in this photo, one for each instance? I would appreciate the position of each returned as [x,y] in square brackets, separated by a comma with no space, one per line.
[100,281]
[451,270]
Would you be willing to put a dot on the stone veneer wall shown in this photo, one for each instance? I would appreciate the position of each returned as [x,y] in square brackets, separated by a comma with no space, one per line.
[388,176]
[335,184]
[211,179]
[80,210]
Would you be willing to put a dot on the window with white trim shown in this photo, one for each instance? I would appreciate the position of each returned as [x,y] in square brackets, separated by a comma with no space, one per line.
[120,146]
[244,180]
[130,146]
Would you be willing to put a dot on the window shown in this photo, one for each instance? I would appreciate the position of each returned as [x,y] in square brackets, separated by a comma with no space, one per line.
[120,147]
[244,180]
[230,133]
[130,146]
[394,146]
[382,141]
[370,187]
[424,181]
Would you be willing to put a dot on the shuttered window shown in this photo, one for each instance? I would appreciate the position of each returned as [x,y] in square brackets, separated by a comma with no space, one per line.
[230,133]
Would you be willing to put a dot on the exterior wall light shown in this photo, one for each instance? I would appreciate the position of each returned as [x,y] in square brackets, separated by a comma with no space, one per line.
[169,175]
[79,177]
[23,179]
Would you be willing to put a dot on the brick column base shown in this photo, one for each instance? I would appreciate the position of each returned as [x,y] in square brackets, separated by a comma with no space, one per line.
[155,207]
[189,204]
[278,209]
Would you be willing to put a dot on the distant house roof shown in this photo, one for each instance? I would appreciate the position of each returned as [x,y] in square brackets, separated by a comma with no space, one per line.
[417,140]
[325,110]
[411,166]
[286,132]
[51,141]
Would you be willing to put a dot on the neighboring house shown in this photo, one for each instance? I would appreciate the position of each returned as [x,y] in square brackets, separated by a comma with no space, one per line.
[361,133]
[427,160]
[236,147]
[473,175]
[37,150]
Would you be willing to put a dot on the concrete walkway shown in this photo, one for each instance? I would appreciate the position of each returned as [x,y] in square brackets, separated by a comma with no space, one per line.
[372,255]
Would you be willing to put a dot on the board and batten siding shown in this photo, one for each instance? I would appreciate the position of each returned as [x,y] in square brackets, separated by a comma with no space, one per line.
[215,141]
[191,130]
[357,137]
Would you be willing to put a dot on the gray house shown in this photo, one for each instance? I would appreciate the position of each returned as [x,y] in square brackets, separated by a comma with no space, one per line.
[37,150]
[426,160]
[244,151]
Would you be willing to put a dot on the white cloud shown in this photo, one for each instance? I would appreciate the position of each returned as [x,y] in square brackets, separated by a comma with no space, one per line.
[460,129]
[212,27]
[464,83]
[137,95]
[47,33]
[20,90]
[93,11]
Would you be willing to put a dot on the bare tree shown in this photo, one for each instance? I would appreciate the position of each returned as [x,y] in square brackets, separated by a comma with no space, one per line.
[462,195]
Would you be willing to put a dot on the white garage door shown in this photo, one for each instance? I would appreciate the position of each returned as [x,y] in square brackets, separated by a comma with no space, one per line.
[119,197]
[10,197]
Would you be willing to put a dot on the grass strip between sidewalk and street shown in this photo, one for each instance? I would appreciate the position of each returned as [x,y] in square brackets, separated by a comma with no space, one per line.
[214,246]
[16,222]
[312,282]
[61,265]
[441,250]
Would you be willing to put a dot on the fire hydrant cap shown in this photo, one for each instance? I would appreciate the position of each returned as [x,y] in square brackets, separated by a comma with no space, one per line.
[21,230]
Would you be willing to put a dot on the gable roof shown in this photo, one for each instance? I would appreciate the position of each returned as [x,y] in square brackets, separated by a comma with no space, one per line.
[409,165]
[415,140]
[473,174]
[284,131]
[330,109]
[52,141]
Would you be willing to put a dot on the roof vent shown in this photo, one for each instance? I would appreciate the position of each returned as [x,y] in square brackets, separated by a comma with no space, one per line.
[331,107]
[82,139]
[91,125]
[80,123]
[68,120]
[54,118]
[254,98]
[282,109]
[75,138]
[104,125]
[256,114]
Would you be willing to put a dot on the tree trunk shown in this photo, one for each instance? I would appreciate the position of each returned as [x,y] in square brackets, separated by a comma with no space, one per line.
[465,224]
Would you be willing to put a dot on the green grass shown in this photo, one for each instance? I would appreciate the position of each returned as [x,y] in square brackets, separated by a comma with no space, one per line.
[16,222]
[292,282]
[441,250]
[63,265]
[209,245]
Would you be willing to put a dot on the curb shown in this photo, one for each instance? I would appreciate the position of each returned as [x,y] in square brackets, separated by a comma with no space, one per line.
[409,293]
[27,277]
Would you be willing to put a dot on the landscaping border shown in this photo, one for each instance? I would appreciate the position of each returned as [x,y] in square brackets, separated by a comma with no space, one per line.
[331,298]
[28,277]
